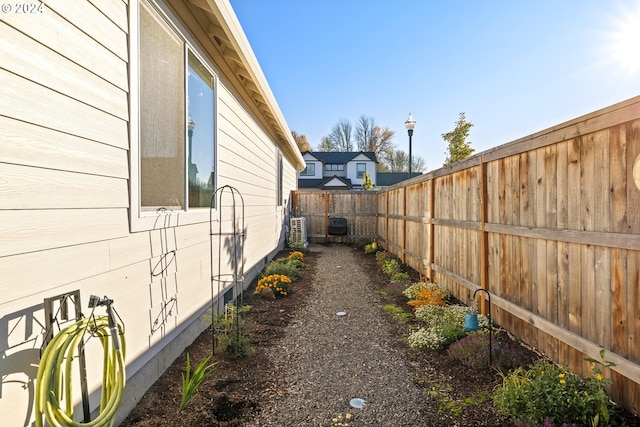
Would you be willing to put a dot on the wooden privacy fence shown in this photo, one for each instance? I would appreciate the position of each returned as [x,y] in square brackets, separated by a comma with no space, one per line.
[549,224]
[358,207]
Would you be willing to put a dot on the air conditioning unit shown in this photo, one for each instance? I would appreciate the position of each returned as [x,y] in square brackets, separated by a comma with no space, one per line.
[298,234]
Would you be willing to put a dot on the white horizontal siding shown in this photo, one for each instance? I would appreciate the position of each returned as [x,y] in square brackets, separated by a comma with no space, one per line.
[115,11]
[26,187]
[30,102]
[31,145]
[63,37]
[33,61]
[94,24]
[37,230]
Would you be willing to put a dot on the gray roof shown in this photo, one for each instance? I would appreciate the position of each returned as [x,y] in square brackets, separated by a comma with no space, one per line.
[337,157]
[385,179]
[320,183]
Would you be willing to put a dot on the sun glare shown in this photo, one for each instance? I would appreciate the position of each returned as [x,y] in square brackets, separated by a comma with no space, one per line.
[625,41]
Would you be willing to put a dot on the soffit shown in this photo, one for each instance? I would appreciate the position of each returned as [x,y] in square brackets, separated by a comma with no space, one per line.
[216,26]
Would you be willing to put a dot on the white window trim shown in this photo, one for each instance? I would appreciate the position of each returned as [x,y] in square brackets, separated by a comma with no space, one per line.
[140,220]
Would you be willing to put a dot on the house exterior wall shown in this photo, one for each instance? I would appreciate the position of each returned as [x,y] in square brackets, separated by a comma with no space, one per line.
[65,203]
[352,173]
[319,168]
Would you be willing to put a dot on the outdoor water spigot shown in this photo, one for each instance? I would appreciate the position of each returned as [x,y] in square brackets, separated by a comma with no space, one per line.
[95,301]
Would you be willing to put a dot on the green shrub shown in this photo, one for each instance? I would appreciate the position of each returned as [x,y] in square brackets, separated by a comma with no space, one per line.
[547,391]
[284,267]
[381,256]
[237,345]
[298,246]
[442,325]
[229,331]
[399,276]
[390,266]
[371,248]
[397,312]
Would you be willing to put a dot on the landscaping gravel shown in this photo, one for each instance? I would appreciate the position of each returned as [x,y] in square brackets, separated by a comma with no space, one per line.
[325,360]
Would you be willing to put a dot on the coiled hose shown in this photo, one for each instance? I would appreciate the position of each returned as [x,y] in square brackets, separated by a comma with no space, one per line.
[53,387]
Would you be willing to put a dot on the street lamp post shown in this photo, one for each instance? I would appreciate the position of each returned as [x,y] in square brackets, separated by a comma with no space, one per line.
[410,124]
[193,169]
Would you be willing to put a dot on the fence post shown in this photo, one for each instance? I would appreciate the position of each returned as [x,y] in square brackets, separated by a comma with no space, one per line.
[484,242]
[404,224]
[386,219]
[326,216]
[432,203]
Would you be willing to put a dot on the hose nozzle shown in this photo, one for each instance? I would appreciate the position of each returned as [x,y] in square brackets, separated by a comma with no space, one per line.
[95,301]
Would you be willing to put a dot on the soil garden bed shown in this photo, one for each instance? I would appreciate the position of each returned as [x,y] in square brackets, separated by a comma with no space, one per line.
[255,390]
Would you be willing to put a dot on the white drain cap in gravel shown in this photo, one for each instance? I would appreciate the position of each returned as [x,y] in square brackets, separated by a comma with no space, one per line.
[341,313]
[357,403]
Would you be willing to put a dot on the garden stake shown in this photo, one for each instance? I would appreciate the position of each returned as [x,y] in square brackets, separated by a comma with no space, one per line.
[489,317]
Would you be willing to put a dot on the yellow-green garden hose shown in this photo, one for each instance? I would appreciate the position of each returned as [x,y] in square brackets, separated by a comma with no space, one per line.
[54,397]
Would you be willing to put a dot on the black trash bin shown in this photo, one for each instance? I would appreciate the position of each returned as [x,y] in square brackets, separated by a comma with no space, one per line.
[338,227]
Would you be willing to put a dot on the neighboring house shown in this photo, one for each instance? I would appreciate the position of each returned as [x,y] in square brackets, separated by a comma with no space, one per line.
[337,170]
[387,179]
[118,120]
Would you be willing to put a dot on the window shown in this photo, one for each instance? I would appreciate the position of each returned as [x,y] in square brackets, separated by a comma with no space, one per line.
[334,167]
[200,134]
[361,168]
[177,119]
[310,170]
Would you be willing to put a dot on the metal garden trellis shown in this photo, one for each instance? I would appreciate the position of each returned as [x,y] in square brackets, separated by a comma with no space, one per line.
[230,201]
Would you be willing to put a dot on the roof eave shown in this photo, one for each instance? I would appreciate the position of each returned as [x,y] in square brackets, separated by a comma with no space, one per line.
[227,35]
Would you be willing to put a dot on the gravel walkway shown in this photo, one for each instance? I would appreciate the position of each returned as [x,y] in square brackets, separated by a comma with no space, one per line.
[326,360]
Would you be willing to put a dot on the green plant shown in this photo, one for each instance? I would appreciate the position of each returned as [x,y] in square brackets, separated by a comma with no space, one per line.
[371,248]
[229,331]
[397,312]
[381,256]
[191,381]
[284,267]
[297,246]
[278,283]
[237,345]
[547,391]
[390,266]
[442,325]
[399,276]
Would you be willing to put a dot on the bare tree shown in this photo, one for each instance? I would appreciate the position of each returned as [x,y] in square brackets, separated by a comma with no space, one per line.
[364,133]
[325,145]
[340,136]
[398,161]
[371,137]
[301,142]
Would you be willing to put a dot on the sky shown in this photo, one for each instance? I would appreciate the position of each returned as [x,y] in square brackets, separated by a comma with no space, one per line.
[513,67]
